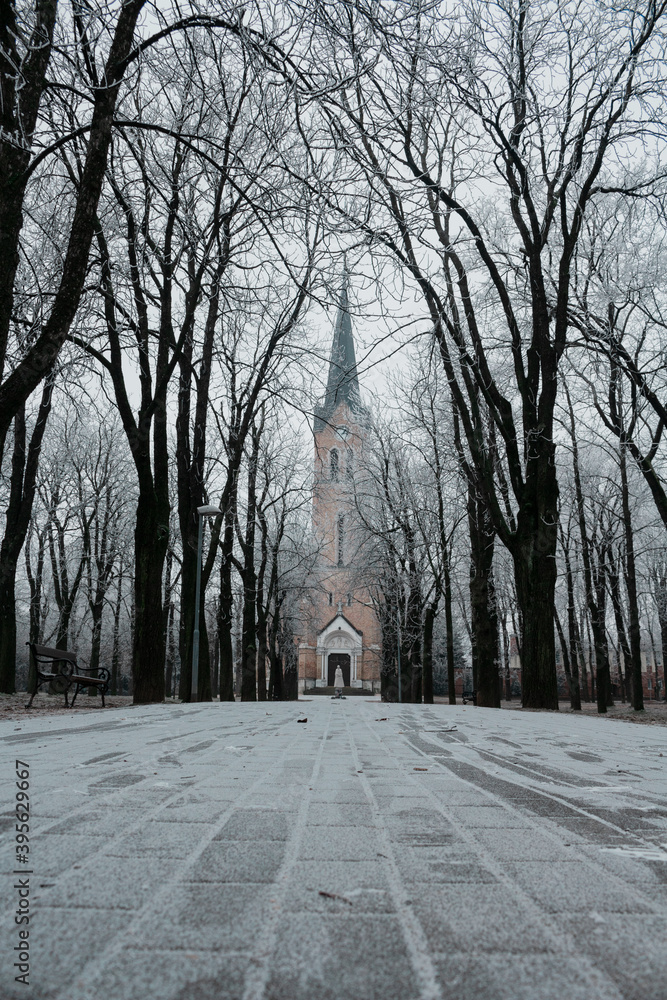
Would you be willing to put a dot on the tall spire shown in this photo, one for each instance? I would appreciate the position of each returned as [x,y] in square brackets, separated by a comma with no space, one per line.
[343,382]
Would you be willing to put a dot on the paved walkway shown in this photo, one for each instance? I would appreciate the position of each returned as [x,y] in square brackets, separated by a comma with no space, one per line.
[374,852]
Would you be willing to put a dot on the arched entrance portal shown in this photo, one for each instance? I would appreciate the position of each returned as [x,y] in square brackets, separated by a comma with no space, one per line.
[341,660]
[339,644]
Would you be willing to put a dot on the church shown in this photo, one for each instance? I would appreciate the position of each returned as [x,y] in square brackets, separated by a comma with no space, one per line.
[339,625]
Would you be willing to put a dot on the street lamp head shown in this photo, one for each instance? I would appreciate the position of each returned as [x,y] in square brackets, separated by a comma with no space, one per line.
[208,510]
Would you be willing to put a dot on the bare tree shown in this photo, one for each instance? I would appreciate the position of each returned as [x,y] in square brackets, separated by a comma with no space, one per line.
[104,50]
[102,537]
[480,166]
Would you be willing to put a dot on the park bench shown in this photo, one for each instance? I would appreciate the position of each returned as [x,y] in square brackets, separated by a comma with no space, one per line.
[59,669]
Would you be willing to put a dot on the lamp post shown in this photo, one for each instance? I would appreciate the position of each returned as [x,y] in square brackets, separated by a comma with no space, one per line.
[208,510]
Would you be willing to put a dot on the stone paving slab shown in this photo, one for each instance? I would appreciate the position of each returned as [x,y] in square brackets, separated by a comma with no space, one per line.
[376,852]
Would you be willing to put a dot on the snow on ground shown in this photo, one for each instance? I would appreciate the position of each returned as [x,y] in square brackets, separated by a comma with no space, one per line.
[374,851]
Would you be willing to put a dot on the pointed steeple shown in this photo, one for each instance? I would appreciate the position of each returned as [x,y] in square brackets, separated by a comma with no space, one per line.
[343,382]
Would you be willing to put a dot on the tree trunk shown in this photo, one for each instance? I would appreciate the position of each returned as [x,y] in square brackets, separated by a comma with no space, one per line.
[249,576]
[190,463]
[168,624]
[276,676]
[225,609]
[275,662]
[169,685]
[631,586]
[595,581]
[591,661]
[404,670]
[602,674]
[151,540]
[187,607]
[586,688]
[572,682]
[484,627]
[574,638]
[262,650]
[7,627]
[427,657]
[215,678]
[621,632]
[115,649]
[535,594]
[599,627]
[22,485]
[35,581]
[662,619]
[97,610]
[289,659]
[534,559]
[484,615]
[388,671]
[415,633]
[204,675]
[186,634]
[449,625]
[263,602]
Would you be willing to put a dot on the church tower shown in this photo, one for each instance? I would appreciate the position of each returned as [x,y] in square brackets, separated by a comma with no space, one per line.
[340,627]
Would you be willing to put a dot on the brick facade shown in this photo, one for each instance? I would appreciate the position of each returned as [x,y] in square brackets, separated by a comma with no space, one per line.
[338,622]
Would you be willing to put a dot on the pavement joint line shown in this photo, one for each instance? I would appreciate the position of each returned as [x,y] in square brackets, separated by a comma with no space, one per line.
[453,785]
[515,766]
[564,944]
[107,724]
[140,917]
[108,797]
[412,930]
[583,859]
[601,786]
[257,976]
[557,798]
[224,732]
[602,745]
[146,817]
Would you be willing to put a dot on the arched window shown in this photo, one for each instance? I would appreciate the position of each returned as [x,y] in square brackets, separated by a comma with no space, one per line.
[334,467]
[349,600]
[330,598]
[341,540]
[349,468]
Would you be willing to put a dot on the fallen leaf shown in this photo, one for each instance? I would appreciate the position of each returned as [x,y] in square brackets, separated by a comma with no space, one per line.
[334,895]
[420,769]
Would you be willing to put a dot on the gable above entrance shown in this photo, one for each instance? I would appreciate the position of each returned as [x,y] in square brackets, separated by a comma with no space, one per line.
[341,633]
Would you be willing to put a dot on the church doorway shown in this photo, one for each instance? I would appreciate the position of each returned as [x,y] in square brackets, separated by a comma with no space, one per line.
[341,660]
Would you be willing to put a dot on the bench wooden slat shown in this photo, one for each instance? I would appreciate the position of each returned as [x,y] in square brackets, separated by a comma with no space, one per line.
[49,653]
